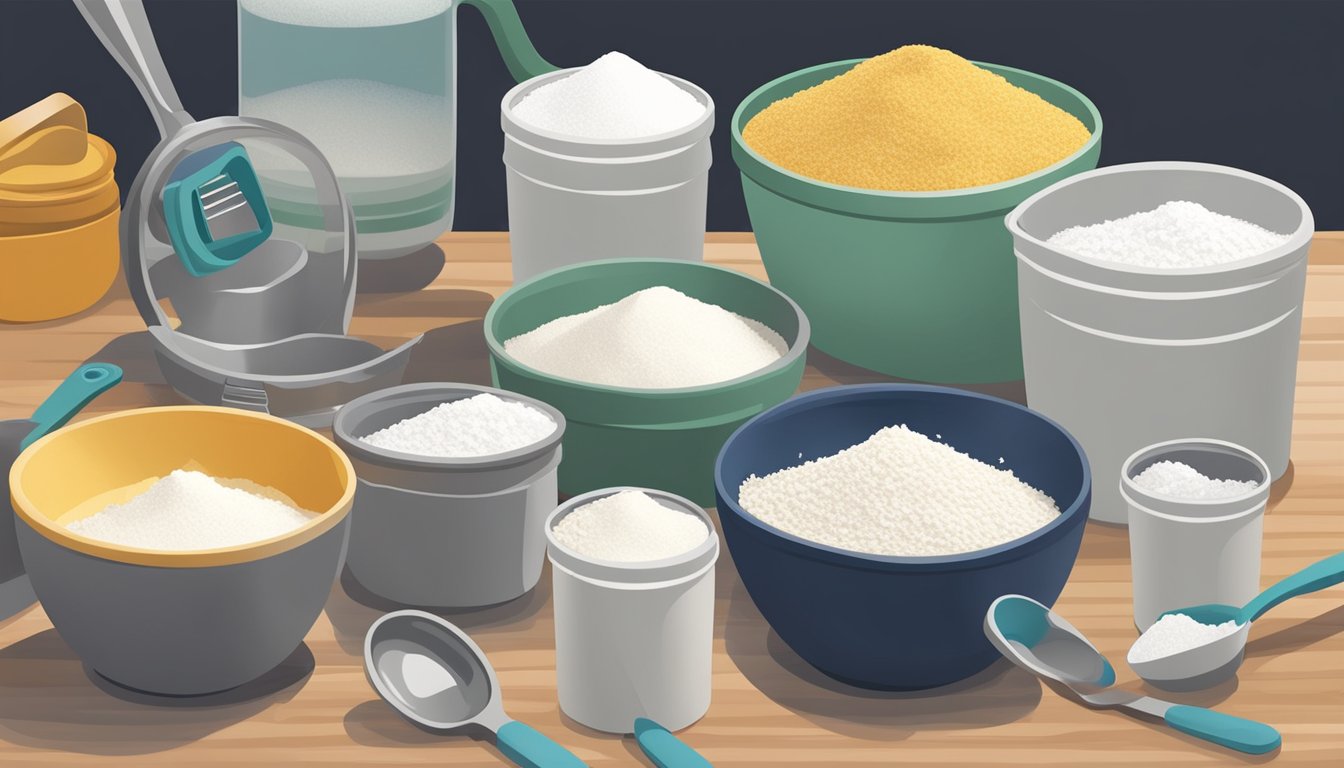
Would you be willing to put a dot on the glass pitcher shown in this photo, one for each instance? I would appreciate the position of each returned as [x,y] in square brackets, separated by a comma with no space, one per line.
[373,85]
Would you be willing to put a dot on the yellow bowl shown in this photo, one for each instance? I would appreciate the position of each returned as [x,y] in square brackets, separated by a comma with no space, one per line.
[177,622]
[56,274]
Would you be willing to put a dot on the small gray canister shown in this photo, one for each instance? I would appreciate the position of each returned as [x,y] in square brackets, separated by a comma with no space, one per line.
[446,533]
[1188,552]
[573,200]
[633,639]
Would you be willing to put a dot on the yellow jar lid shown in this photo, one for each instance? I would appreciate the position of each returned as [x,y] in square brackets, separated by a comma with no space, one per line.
[48,157]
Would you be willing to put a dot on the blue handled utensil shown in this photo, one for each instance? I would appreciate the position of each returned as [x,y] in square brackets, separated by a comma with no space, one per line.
[664,749]
[1042,642]
[1213,662]
[86,383]
[436,677]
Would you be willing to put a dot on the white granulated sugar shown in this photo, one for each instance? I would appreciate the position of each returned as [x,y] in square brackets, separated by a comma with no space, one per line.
[1175,235]
[367,130]
[1174,633]
[345,13]
[629,527]
[480,425]
[615,97]
[1182,481]
[188,511]
[657,338]
[898,493]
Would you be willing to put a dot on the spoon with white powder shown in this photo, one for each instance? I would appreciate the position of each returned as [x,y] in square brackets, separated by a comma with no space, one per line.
[1192,648]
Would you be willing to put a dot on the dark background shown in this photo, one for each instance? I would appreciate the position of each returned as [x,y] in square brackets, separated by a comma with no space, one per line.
[1257,84]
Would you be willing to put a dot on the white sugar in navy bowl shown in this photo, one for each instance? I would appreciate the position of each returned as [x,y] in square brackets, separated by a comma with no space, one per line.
[446,532]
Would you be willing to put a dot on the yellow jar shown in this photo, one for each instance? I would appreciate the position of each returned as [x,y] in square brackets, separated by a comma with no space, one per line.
[59,210]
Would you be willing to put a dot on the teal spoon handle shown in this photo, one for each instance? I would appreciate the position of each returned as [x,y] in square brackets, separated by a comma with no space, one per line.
[1249,736]
[664,749]
[530,748]
[87,382]
[520,56]
[1314,577]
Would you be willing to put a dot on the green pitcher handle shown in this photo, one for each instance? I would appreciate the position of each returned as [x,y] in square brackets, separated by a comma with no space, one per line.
[519,54]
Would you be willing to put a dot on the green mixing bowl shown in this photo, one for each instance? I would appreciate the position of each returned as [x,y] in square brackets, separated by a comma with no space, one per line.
[921,285]
[653,438]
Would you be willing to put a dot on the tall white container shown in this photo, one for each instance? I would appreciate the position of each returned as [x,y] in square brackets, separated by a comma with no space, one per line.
[1127,356]
[1186,552]
[633,639]
[573,200]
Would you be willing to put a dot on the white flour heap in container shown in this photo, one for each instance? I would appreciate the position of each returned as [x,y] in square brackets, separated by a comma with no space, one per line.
[1178,234]
[615,97]
[481,425]
[1182,481]
[188,511]
[657,338]
[629,527]
[899,493]
[1174,633]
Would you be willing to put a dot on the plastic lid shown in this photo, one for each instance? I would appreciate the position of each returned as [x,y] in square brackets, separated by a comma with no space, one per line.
[48,157]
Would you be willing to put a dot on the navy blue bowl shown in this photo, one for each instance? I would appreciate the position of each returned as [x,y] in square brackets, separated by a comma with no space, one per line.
[899,623]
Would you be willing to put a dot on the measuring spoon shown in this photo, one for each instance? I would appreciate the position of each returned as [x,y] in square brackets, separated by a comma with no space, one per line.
[1213,662]
[436,677]
[1040,641]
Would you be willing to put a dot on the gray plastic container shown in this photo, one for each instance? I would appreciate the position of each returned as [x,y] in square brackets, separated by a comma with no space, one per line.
[574,200]
[446,533]
[1126,357]
[633,639]
[1188,552]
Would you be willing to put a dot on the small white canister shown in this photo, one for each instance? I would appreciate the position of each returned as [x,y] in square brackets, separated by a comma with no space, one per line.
[1186,551]
[633,639]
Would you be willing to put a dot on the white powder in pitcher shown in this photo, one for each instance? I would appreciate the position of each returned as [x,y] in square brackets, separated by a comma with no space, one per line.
[615,97]
[1177,234]
[898,493]
[1182,481]
[1174,633]
[629,527]
[657,338]
[480,425]
[187,511]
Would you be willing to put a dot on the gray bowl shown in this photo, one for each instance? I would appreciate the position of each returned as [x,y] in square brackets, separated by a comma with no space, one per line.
[446,533]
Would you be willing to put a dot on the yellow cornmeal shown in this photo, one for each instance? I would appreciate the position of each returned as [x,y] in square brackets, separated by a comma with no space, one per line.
[916,119]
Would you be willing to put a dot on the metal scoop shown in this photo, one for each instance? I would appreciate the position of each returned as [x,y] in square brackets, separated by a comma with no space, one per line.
[1211,663]
[1040,641]
[87,382]
[436,677]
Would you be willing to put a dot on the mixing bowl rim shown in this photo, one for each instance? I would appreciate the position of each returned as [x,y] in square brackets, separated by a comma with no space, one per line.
[796,350]
[1297,240]
[972,560]
[375,400]
[844,65]
[519,129]
[320,524]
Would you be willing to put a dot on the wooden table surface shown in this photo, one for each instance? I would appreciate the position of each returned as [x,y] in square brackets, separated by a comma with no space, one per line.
[769,708]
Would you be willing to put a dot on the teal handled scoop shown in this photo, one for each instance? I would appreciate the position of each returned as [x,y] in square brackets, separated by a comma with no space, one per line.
[87,382]
[436,677]
[1040,641]
[665,750]
[1211,663]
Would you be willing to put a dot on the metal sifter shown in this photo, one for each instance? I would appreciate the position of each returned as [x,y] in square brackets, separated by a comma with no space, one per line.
[259,309]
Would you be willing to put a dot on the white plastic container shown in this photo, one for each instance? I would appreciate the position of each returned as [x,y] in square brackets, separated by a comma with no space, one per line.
[633,639]
[1127,356]
[574,200]
[1186,552]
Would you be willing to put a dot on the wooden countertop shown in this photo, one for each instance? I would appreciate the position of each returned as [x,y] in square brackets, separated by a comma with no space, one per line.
[769,708]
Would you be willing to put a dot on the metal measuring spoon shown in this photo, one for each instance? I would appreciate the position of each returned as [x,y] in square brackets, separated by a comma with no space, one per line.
[1040,641]
[436,677]
[87,382]
[1213,662]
